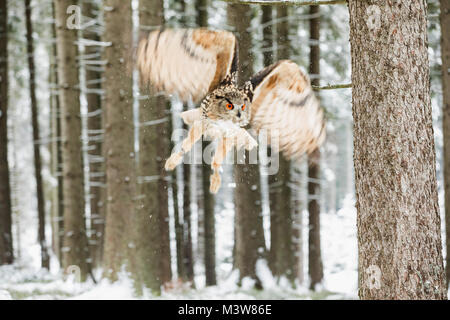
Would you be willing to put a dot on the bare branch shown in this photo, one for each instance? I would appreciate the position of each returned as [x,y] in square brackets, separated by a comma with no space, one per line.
[289,2]
[332,86]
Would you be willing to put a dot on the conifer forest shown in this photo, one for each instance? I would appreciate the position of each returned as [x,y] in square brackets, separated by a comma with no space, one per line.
[224,149]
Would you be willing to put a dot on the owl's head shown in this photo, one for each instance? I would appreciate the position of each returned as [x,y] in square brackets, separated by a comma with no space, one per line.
[230,103]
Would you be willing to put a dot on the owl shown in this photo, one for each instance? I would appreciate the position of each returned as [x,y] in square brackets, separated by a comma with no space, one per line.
[202,65]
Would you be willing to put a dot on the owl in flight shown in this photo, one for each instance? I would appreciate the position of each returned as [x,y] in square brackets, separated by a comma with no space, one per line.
[202,65]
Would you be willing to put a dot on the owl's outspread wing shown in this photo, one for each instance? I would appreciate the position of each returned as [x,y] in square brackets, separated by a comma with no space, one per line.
[285,106]
[186,62]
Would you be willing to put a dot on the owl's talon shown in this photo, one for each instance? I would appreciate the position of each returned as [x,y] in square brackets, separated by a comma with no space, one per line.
[173,161]
[215,181]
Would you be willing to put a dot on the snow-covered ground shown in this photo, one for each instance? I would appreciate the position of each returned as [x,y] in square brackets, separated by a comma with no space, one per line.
[24,280]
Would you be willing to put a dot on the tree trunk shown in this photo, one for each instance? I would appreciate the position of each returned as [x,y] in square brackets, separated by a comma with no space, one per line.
[314,254]
[45,259]
[208,198]
[56,151]
[445,48]
[297,226]
[187,222]
[178,220]
[268,41]
[282,248]
[119,137]
[152,236]
[6,245]
[400,249]
[249,234]
[95,132]
[188,258]
[75,250]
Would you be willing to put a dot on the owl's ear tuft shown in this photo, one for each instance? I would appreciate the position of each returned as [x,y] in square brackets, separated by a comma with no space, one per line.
[248,90]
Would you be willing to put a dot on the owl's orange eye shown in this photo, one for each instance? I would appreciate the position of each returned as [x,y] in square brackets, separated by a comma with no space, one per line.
[243,107]
[230,106]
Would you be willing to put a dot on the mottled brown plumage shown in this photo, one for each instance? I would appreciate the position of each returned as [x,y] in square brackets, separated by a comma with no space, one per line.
[201,65]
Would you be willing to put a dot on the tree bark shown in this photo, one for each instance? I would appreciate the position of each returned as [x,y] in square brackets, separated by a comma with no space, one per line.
[297,227]
[315,267]
[95,134]
[152,234]
[282,249]
[119,137]
[249,233]
[75,250]
[178,219]
[268,40]
[399,240]
[445,49]
[187,221]
[56,151]
[45,259]
[208,198]
[188,258]
[6,245]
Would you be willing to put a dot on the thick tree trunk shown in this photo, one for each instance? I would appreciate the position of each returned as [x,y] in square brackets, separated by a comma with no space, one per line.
[6,245]
[45,259]
[152,242]
[75,250]
[249,234]
[445,49]
[95,132]
[314,253]
[400,249]
[119,137]
[282,249]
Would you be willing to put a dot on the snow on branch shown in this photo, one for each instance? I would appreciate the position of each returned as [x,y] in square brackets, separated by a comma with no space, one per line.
[289,2]
[333,86]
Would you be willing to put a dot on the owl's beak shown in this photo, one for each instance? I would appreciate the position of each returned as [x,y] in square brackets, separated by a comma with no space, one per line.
[239,112]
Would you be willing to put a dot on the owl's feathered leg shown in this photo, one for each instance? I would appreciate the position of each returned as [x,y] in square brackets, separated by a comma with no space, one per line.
[245,139]
[195,133]
[224,146]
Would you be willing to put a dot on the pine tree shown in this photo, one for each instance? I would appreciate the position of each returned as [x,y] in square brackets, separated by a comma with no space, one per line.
[208,198]
[152,233]
[45,259]
[188,257]
[398,218]
[445,49]
[6,245]
[57,214]
[315,267]
[95,131]
[75,250]
[281,248]
[249,234]
[119,136]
